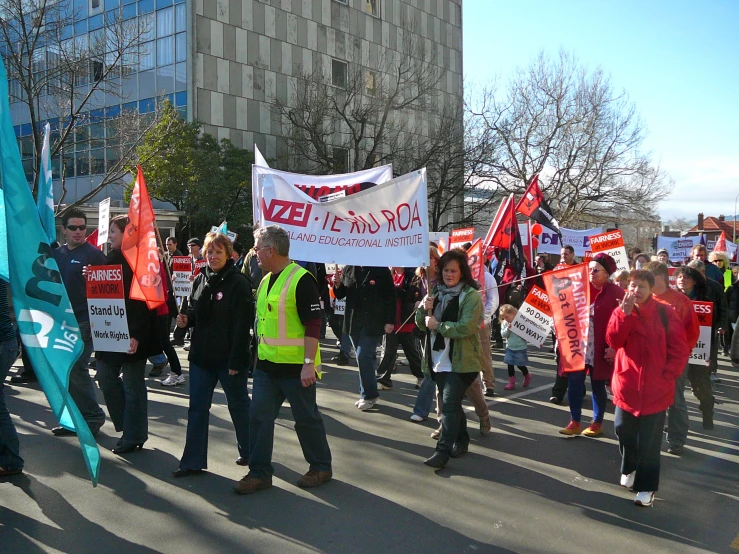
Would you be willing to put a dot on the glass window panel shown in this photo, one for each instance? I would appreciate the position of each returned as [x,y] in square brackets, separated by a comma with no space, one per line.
[97,135]
[80,9]
[28,169]
[165,80]
[80,27]
[129,11]
[163,3]
[147,27]
[181,47]
[82,163]
[180,99]
[97,161]
[165,22]
[55,167]
[146,6]
[96,22]
[27,147]
[68,166]
[126,2]
[147,86]
[182,111]
[111,131]
[180,77]
[147,105]
[165,51]
[113,156]
[180,18]
[147,57]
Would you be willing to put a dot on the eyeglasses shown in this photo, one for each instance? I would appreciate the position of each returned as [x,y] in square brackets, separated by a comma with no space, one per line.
[76,227]
[258,248]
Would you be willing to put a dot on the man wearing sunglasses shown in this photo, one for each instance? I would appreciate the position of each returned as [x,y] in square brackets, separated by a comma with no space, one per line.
[71,258]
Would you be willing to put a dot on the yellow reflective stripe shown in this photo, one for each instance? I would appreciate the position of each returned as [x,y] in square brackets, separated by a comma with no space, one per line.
[281,316]
[281,342]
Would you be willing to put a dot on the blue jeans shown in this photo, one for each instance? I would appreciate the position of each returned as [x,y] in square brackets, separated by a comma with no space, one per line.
[268,395]
[576,391]
[126,398]
[202,384]
[452,387]
[346,346]
[425,397]
[366,348]
[81,387]
[640,441]
[10,456]
[158,359]
[678,421]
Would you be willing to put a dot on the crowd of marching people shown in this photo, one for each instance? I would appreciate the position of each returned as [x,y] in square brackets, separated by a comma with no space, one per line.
[261,315]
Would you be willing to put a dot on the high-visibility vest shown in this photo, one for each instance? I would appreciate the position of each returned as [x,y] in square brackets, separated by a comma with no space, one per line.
[279,329]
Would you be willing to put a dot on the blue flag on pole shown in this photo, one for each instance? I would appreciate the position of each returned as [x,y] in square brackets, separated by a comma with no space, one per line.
[46,321]
[45,198]
[223,228]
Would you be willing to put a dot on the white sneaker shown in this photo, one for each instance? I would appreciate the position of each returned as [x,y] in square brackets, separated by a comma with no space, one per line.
[644,498]
[417,418]
[382,386]
[628,480]
[172,380]
[367,404]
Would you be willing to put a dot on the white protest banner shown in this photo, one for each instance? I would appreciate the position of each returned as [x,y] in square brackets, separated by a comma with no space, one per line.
[461,236]
[107,308]
[611,243]
[579,240]
[677,248]
[702,350]
[182,275]
[103,221]
[318,186]
[386,225]
[340,306]
[231,235]
[534,320]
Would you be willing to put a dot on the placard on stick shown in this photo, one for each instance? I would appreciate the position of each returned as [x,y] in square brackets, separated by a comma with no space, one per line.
[702,350]
[182,275]
[107,308]
[534,320]
[611,243]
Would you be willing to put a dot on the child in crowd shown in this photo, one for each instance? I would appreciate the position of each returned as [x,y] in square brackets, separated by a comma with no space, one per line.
[515,350]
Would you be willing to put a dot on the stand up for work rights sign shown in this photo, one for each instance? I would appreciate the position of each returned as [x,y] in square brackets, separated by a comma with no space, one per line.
[107,308]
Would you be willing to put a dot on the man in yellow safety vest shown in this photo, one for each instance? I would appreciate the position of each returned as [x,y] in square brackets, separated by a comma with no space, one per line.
[288,326]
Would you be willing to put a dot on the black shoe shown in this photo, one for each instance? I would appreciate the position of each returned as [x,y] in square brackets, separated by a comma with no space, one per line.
[340,360]
[126,448]
[437,461]
[499,345]
[241,461]
[490,392]
[708,421]
[459,450]
[675,450]
[555,400]
[62,432]
[384,385]
[23,378]
[156,370]
[181,472]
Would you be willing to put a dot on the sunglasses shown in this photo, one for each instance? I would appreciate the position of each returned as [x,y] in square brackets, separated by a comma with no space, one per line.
[76,227]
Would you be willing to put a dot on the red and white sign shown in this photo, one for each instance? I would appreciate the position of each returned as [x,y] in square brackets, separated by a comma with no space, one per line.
[476,261]
[441,239]
[199,266]
[106,305]
[385,225]
[702,350]
[673,280]
[611,243]
[182,269]
[534,320]
[459,237]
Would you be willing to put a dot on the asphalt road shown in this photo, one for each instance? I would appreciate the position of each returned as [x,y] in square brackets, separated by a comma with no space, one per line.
[523,488]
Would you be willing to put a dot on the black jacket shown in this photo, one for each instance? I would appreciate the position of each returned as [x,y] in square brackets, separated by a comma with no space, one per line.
[407,295]
[221,312]
[142,322]
[370,299]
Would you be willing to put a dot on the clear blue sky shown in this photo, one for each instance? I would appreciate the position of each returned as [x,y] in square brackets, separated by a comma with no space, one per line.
[678,60]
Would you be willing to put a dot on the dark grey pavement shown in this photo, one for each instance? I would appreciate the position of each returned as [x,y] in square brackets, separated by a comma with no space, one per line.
[523,488]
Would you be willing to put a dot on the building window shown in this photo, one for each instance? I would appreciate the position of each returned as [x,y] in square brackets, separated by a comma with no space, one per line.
[339,73]
[345,2]
[341,159]
[371,82]
[372,7]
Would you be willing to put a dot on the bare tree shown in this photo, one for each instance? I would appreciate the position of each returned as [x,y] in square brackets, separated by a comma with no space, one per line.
[586,140]
[58,76]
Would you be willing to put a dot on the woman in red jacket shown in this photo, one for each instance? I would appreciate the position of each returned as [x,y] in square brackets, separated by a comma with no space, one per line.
[651,352]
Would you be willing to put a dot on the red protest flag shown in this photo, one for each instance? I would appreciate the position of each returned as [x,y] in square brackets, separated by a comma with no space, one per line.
[476,261]
[569,296]
[92,238]
[499,233]
[720,245]
[533,205]
[140,247]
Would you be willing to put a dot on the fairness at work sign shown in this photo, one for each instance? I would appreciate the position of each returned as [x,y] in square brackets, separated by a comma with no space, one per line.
[107,308]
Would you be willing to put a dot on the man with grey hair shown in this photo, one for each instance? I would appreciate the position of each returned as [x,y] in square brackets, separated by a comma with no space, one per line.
[715,293]
[289,318]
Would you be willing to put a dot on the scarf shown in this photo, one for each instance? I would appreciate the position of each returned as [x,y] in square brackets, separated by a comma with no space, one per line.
[445,295]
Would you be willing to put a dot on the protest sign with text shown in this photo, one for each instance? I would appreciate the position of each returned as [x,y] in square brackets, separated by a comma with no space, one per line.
[198,267]
[386,225]
[568,290]
[549,242]
[107,308]
[702,350]
[103,221]
[476,261]
[459,237]
[319,186]
[441,240]
[611,243]
[677,248]
[534,320]
[230,234]
[182,275]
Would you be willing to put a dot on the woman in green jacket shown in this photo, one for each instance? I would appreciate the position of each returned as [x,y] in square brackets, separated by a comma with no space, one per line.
[452,314]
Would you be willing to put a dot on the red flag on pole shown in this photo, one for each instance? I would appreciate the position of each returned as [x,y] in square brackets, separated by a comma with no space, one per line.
[721,244]
[499,234]
[533,205]
[140,247]
[92,238]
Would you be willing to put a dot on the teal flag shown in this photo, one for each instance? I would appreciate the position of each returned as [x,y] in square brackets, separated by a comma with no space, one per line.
[4,271]
[223,228]
[45,197]
[46,321]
